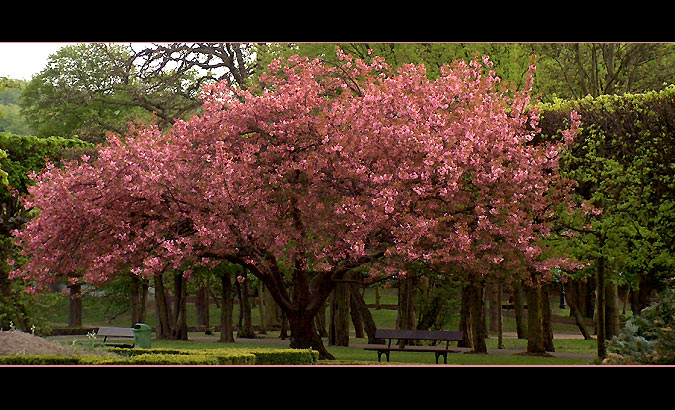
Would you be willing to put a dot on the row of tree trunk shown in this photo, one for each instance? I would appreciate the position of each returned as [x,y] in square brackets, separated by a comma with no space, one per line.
[481,310]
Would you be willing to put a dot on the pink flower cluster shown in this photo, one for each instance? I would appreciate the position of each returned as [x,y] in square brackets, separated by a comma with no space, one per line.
[317,168]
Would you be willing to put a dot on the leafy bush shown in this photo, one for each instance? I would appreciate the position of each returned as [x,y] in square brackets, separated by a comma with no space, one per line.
[262,356]
[648,337]
[158,359]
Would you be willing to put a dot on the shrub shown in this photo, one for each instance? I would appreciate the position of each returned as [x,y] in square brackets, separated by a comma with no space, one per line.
[262,356]
[648,337]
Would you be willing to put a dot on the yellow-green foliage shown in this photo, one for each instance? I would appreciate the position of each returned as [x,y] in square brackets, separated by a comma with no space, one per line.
[262,356]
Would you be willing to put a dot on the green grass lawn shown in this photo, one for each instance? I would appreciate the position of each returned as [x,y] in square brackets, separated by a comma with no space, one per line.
[95,314]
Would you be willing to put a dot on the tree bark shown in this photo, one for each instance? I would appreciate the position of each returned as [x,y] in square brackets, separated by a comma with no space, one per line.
[304,335]
[494,309]
[476,311]
[272,310]
[75,316]
[547,328]
[611,310]
[139,296]
[180,301]
[320,320]
[535,332]
[246,329]
[354,311]
[406,306]
[202,305]
[465,317]
[163,330]
[368,323]
[519,309]
[262,308]
[338,333]
[226,309]
[600,297]
[500,319]
[572,293]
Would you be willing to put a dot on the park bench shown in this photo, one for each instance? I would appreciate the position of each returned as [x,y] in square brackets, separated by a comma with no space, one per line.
[408,335]
[115,332]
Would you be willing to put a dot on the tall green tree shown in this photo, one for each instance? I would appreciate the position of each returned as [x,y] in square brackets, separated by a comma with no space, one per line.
[576,70]
[623,164]
[22,155]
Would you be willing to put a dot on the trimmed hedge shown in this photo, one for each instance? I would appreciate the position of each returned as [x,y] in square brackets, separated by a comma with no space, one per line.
[263,356]
[176,357]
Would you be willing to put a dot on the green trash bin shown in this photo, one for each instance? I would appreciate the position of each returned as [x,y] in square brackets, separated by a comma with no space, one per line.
[142,335]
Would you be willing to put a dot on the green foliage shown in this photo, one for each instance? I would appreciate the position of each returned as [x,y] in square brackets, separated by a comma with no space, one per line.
[87,90]
[11,119]
[648,338]
[263,356]
[23,155]
[623,164]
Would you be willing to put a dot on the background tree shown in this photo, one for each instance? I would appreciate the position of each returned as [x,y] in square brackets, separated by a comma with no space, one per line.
[23,156]
[89,89]
[623,164]
[576,70]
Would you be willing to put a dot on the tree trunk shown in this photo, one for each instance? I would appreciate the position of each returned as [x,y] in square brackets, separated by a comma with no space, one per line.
[572,292]
[75,317]
[180,298]
[500,319]
[283,334]
[246,329]
[262,308]
[202,306]
[547,328]
[611,310]
[163,330]
[304,335]
[226,310]
[479,332]
[139,296]
[465,318]
[338,333]
[368,323]
[354,311]
[320,320]
[589,298]
[377,297]
[535,332]
[519,309]
[494,308]
[135,299]
[272,310]
[600,297]
[406,306]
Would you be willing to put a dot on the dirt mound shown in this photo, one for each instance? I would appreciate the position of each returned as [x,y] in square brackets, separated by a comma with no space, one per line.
[20,343]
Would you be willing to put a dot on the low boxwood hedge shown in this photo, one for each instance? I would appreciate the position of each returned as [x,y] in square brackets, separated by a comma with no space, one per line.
[175,357]
[263,356]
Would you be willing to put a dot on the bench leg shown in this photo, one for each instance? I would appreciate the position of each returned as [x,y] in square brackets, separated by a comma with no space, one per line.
[379,356]
[445,357]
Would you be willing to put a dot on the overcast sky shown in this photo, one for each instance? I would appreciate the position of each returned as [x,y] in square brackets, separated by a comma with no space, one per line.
[23,60]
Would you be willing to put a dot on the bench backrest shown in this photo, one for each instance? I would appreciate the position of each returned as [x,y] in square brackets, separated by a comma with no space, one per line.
[115,331]
[418,334]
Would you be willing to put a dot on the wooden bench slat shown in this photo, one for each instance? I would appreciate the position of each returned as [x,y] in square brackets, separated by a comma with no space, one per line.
[115,332]
[406,334]
[450,335]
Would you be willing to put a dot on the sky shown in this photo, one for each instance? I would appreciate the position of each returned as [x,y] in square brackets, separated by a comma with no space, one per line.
[21,61]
